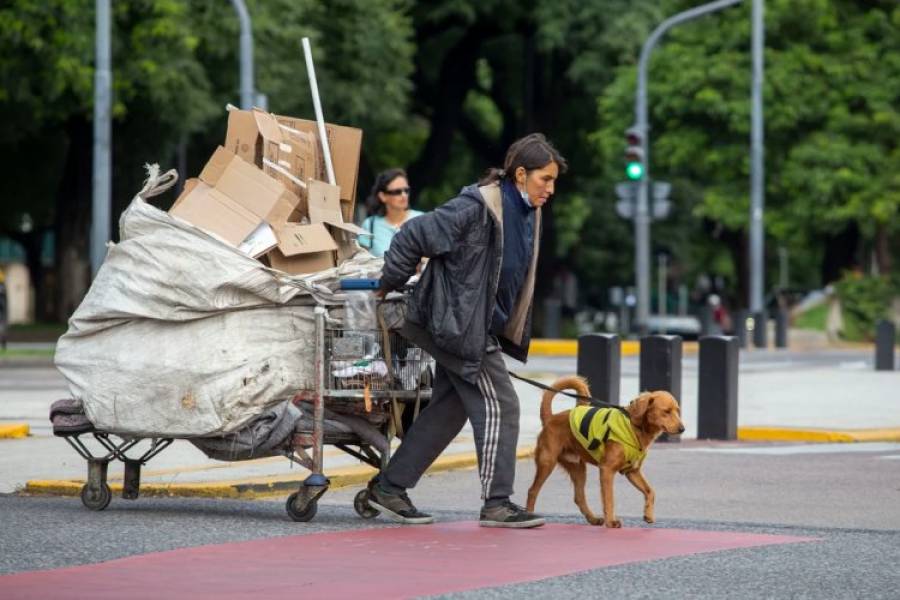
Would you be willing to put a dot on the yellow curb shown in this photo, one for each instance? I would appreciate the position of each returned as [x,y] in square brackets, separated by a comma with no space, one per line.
[259,487]
[550,347]
[784,434]
[14,430]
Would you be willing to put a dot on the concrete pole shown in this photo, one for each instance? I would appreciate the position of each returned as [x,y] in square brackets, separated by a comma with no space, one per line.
[102,185]
[757,173]
[246,60]
[642,209]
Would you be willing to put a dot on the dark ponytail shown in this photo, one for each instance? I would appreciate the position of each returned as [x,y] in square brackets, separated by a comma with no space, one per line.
[374,206]
[531,152]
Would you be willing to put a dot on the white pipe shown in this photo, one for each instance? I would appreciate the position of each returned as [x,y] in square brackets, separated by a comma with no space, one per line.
[317,105]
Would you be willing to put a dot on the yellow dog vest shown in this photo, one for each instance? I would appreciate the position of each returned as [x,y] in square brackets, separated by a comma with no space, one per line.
[593,426]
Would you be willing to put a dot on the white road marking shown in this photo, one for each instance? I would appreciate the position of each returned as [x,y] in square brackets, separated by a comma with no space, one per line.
[805,449]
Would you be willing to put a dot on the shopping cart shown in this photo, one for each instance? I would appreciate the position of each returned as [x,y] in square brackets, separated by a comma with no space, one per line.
[372,374]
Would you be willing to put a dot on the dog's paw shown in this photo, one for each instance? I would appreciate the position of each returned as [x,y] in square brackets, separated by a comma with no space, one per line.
[649,519]
[614,524]
[595,520]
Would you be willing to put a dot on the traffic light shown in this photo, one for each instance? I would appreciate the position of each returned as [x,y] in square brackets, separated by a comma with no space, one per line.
[634,154]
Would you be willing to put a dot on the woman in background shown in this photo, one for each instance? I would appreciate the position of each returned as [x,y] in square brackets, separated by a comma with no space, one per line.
[388,206]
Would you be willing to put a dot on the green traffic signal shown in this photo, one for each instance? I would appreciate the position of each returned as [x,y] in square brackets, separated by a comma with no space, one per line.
[634,170]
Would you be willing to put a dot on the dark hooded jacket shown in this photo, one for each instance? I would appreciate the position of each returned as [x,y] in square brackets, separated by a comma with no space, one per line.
[449,312]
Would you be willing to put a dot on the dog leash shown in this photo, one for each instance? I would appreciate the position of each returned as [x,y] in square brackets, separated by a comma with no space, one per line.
[591,400]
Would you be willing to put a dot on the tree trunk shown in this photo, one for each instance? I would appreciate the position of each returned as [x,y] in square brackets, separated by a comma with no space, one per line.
[841,253]
[457,77]
[736,241]
[883,250]
[73,218]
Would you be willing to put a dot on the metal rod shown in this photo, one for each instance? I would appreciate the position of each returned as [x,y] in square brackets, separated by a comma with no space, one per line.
[102,185]
[317,105]
[757,168]
[319,400]
[246,60]
[642,212]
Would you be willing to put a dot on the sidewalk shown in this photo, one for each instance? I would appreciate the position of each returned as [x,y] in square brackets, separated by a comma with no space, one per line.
[778,402]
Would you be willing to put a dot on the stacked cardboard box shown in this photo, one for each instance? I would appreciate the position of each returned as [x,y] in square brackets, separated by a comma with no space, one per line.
[263,192]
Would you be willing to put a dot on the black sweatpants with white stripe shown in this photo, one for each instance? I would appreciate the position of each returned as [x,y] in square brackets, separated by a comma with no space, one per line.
[493,409]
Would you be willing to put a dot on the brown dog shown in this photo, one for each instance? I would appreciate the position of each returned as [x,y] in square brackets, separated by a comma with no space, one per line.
[622,447]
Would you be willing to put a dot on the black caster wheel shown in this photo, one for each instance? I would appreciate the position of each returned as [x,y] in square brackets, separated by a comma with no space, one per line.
[362,506]
[304,515]
[95,500]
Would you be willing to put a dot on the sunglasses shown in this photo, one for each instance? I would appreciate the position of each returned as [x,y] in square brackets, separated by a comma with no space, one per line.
[397,192]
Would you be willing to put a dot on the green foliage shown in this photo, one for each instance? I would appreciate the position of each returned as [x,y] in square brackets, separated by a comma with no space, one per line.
[815,318]
[864,301]
[832,91]
[571,213]
[175,66]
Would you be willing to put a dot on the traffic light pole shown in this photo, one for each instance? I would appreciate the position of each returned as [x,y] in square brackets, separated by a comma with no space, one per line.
[642,208]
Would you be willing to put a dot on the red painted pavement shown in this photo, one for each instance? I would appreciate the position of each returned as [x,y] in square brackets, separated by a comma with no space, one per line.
[396,562]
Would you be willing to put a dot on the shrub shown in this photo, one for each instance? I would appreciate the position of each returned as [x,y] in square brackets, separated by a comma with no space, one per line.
[864,301]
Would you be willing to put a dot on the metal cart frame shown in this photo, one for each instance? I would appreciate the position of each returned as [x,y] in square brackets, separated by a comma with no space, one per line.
[306,447]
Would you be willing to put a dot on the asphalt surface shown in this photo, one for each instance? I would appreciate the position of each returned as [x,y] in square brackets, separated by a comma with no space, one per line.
[846,496]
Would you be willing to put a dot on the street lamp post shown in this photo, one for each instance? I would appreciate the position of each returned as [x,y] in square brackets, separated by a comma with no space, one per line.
[757,172]
[246,54]
[102,186]
[642,208]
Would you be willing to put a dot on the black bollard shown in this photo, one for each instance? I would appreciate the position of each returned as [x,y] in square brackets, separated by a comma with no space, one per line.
[885,338]
[660,369]
[717,391]
[552,308]
[706,320]
[740,327]
[781,328]
[599,361]
[760,335]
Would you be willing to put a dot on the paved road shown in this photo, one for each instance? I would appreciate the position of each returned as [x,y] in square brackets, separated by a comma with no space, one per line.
[25,393]
[751,361]
[843,496]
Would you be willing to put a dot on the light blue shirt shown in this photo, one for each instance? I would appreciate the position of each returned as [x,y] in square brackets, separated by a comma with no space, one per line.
[382,233]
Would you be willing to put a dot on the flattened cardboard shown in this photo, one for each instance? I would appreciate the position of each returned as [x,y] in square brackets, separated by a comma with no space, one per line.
[189,185]
[303,239]
[345,144]
[325,207]
[303,249]
[210,210]
[233,197]
[258,192]
[283,153]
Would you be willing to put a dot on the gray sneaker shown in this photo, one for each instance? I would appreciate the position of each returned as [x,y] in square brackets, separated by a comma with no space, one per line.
[509,515]
[397,507]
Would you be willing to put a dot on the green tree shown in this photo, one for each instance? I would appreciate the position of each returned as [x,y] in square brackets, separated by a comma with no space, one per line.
[175,66]
[831,95]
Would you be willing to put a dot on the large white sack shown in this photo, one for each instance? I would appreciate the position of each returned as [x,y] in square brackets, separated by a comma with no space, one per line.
[182,335]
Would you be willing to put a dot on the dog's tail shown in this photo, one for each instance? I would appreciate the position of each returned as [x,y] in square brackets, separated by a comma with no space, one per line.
[569,382]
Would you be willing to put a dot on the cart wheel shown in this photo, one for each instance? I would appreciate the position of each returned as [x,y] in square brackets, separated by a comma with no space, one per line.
[304,514]
[96,500]
[362,506]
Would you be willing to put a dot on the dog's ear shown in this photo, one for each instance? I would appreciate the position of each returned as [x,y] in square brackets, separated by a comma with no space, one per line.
[637,409]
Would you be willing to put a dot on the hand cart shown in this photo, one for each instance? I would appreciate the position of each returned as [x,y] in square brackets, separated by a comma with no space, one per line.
[368,373]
